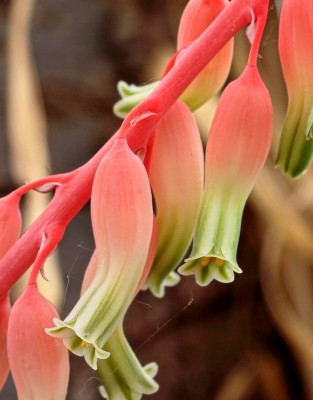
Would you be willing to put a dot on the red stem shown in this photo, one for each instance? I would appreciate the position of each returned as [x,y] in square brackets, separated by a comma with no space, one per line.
[75,191]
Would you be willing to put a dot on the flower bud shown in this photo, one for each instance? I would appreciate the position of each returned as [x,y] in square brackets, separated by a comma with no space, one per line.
[122,220]
[296,55]
[176,176]
[238,145]
[197,16]
[131,95]
[39,363]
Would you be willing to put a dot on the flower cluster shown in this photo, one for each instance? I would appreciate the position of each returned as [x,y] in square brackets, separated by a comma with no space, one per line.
[155,196]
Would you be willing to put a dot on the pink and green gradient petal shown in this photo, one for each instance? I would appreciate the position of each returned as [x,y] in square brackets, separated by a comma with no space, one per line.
[237,148]
[296,55]
[122,219]
[197,16]
[176,176]
[121,374]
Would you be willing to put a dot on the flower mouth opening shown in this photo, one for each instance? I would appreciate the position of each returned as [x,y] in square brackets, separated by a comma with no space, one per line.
[210,267]
[77,344]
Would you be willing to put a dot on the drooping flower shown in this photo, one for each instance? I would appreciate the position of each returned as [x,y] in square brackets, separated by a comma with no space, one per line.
[10,227]
[10,222]
[122,219]
[122,375]
[39,363]
[176,176]
[296,55]
[238,145]
[197,16]
[4,321]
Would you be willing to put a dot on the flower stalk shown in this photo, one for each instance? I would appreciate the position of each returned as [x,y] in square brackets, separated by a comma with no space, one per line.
[147,204]
[72,196]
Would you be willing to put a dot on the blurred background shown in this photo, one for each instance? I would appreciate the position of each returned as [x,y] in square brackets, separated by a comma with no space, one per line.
[59,66]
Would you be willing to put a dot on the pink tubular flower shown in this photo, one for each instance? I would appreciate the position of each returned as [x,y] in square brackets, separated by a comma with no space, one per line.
[4,320]
[238,145]
[10,227]
[122,375]
[176,176]
[296,55]
[122,219]
[38,362]
[122,372]
[197,16]
[10,222]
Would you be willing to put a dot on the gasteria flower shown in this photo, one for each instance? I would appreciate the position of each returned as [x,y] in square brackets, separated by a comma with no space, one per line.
[296,55]
[197,16]
[122,374]
[10,227]
[39,363]
[122,219]
[4,320]
[176,176]
[237,148]
[10,222]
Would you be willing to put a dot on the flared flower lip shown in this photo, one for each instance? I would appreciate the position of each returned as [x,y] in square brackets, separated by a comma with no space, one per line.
[84,347]
[210,266]
[221,256]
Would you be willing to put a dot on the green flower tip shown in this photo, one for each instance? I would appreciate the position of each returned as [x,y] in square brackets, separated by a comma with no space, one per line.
[210,267]
[151,370]
[131,95]
[295,153]
[157,284]
[80,346]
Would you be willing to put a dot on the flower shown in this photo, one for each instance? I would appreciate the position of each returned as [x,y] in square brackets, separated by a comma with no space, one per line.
[197,16]
[176,177]
[238,145]
[10,222]
[122,375]
[296,55]
[5,308]
[122,219]
[39,363]
[10,227]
